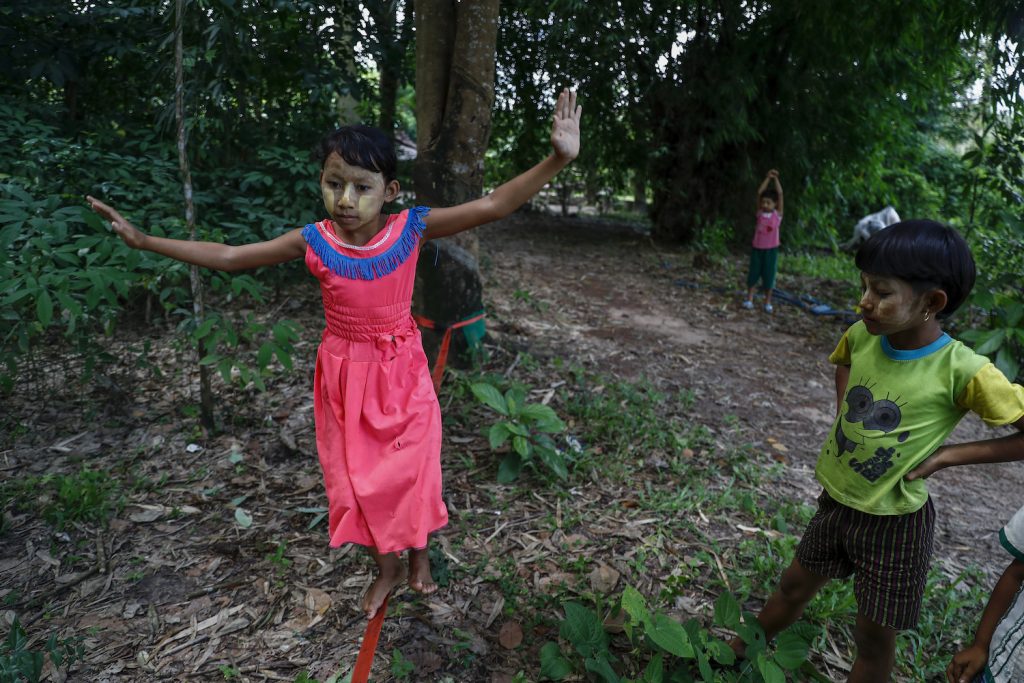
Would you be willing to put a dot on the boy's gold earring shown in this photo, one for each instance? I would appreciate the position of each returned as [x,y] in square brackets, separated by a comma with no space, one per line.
[927,314]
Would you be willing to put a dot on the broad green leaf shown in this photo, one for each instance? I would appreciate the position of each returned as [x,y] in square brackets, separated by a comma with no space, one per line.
[721,652]
[509,468]
[990,342]
[554,461]
[1007,363]
[727,611]
[542,418]
[583,629]
[514,399]
[497,435]
[44,307]
[553,665]
[490,397]
[521,446]
[635,606]
[670,636]
[603,668]
[655,671]
[790,650]
[769,670]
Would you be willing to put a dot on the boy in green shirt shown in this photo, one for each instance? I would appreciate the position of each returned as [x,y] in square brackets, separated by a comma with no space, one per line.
[902,385]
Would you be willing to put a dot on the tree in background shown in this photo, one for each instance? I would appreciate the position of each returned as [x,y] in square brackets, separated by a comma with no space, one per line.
[455,58]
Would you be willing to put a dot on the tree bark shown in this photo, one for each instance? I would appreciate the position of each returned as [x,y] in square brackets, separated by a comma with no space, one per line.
[455,55]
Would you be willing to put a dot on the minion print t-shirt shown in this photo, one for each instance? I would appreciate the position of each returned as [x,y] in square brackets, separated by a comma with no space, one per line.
[898,409]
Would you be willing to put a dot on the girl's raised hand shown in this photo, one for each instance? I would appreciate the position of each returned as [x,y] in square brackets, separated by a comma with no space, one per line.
[131,235]
[565,128]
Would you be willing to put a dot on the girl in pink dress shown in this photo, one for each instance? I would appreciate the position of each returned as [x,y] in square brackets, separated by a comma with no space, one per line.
[378,424]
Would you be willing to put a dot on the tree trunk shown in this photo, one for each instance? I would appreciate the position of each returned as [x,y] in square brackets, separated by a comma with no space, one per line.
[455,55]
[205,391]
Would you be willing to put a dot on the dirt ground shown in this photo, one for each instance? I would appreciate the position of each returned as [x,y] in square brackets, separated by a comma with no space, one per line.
[217,568]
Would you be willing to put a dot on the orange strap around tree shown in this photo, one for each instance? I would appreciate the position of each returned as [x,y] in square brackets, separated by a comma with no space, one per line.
[442,355]
[361,673]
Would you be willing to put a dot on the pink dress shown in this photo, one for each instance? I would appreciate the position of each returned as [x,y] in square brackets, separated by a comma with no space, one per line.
[378,423]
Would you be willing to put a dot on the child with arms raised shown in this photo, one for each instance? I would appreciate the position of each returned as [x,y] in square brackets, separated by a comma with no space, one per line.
[378,424]
[764,250]
[902,385]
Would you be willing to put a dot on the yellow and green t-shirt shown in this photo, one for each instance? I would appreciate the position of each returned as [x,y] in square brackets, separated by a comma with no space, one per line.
[899,407]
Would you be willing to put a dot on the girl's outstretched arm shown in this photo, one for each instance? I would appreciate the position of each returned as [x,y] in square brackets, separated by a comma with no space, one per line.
[506,198]
[213,255]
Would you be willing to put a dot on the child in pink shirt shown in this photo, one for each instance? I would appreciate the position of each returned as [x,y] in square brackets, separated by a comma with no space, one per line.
[764,256]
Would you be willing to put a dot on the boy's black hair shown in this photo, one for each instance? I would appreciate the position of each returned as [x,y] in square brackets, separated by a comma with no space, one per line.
[363,146]
[770,194]
[927,254]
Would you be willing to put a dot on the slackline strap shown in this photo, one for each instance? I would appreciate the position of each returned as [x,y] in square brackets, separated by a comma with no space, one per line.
[446,340]
[361,674]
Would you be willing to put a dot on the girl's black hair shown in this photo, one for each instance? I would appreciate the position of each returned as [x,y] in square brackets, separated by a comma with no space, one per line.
[363,146]
[927,254]
[770,194]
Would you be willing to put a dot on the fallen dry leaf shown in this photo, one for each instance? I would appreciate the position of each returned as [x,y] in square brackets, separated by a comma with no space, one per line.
[510,635]
[603,578]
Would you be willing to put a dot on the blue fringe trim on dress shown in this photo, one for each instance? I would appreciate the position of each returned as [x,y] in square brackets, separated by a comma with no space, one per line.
[370,267]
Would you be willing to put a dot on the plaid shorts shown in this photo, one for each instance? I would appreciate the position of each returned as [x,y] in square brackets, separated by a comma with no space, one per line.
[888,555]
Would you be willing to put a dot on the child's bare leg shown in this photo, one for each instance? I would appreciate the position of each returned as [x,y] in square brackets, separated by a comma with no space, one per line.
[420,578]
[750,293]
[796,588]
[390,573]
[876,652]
[767,296]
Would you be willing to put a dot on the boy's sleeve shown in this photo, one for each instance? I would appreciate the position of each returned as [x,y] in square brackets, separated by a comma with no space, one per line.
[841,356]
[994,398]
[1012,535]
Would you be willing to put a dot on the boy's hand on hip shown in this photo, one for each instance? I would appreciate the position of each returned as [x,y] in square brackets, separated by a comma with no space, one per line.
[932,464]
[565,128]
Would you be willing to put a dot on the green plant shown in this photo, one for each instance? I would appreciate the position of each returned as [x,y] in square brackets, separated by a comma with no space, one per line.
[18,662]
[1004,337]
[663,649]
[528,426]
[401,668]
[278,559]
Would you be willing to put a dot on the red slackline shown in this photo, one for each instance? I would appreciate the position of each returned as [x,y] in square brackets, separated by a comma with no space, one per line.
[442,355]
[361,674]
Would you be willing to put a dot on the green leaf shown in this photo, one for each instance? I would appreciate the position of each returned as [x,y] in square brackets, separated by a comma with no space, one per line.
[990,342]
[603,668]
[636,607]
[542,418]
[514,399]
[497,435]
[670,636]
[521,446]
[509,468]
[790,650]
[552,664]
[44,307]
[655,671]
[1007,364]
[727,611]
[770,671]
[721,652]
[554,461]
[490,397]
[582,628]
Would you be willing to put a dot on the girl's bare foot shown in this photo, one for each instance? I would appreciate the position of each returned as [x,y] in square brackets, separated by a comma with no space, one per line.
[419,572]
[390,573]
